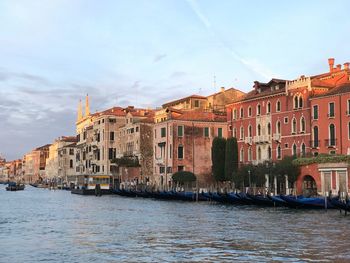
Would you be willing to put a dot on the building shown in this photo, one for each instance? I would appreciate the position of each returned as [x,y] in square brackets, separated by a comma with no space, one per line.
[285,118]
[34,164]
[135,148]
[61,160]
[182,142]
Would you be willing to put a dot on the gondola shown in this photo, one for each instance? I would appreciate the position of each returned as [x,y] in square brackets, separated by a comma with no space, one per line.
[13,186]
[261,200]
[307,202]
[342,205]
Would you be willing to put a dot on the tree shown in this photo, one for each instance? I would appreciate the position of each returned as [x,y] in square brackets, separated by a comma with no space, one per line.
[287,167]
[218,158]
[231,159]
[183,177]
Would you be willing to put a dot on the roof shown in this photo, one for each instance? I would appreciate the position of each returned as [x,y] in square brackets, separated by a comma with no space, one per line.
[194,96]
[71,145]
[115,111]
[46,146]
[198,115]
[69,138]
[343,88]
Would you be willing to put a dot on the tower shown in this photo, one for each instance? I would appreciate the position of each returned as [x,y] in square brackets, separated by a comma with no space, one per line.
[80,111]
[87,107]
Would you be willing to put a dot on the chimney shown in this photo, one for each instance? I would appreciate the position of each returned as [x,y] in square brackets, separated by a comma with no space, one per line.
[338,67]
[331,64]
[222,89]
[346,65]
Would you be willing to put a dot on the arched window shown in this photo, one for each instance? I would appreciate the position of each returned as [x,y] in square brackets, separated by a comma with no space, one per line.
[269,152]
[269,129]
[302,124]
[234,114]
[331,135]
[278,127]
[241,155]
[250,133]
[278,106]
[294,150]
[278,152]
[268,108]
[235,132]
[241,113]
[258,110]
[250,154]
[303,150]
[250,111]
[71,163]
[296,100]
[294,125]
[315,137]
[259,130]
[300,102]
[259,153]
[241,133]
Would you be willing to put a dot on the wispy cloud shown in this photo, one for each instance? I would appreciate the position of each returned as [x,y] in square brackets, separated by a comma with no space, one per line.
[159,57]
[251,64]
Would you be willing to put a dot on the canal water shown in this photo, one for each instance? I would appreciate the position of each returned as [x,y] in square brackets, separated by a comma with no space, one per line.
[42,225]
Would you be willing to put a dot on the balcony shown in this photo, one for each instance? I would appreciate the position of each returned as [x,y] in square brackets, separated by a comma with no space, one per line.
[248,140]
[315,144]
[262,139]
[330,143]
[159,161]
[277,137]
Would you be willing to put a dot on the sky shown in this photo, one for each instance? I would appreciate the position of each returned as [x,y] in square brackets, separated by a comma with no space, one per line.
[145,53]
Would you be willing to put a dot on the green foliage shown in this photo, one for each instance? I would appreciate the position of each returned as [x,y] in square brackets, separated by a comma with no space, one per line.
[231,159]
[323,158]
[218,158]
[287,166]
[250,175]
[183,177]
[127,161]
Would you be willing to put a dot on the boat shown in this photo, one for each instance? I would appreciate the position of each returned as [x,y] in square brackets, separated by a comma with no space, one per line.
[13,186]
[94,185]
[340,204]
[307,202]
[261,200]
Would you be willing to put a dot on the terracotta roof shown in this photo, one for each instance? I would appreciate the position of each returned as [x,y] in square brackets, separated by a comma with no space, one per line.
[344,88]
[194,96]
[115,111]
[199,116]
[69,138]
[70,145]
[321,83]
[42,147]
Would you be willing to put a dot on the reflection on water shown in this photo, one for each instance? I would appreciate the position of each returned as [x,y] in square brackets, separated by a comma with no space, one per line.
[41,225]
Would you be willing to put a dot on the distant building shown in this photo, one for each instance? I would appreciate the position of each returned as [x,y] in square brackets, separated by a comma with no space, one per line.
[34,164]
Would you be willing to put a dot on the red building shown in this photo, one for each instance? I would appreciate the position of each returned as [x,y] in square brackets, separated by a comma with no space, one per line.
[308,115]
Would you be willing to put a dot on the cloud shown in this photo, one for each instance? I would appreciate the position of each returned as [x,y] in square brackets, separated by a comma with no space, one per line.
[159,57]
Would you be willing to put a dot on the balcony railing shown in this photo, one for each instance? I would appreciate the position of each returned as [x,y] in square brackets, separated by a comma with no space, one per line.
[262,139]
[330,142]
[159,161]
[277,137]
[315,144]
[248,140]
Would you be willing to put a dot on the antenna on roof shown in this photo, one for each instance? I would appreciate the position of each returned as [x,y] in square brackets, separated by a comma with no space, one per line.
[200,91]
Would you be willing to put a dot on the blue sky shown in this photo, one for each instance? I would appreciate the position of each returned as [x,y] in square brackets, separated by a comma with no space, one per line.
[145,53]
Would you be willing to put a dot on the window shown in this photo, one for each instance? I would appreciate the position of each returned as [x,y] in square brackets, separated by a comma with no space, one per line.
[250,111]
[331,135]
[278,127]
[180,168]
[241,155]
[349,130]
[315,112]
[206,132]
[180,152]
[294,126]
[163,132]
[137,129]
[250,154]
[220,132]
[331,109]
[170,150]
[111,153]
[241,133]
[258,110]
[111,136]
[259,153]
[161,169]
[70,163]
[180,131]
[269,129]
[303,150]
[278,152]
[294,150]
[235,132]
[241,113]
[71,151]
[155,133]
[269,152]
[250,131]
[268,108]
[285,120]
[259,130]
[296,100]
[348,109]
[234,114]
[278,106]
[300,102]
[315,137]
[196,103]
[302,125]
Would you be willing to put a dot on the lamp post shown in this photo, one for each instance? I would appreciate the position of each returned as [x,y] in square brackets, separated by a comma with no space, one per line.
[249,179]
